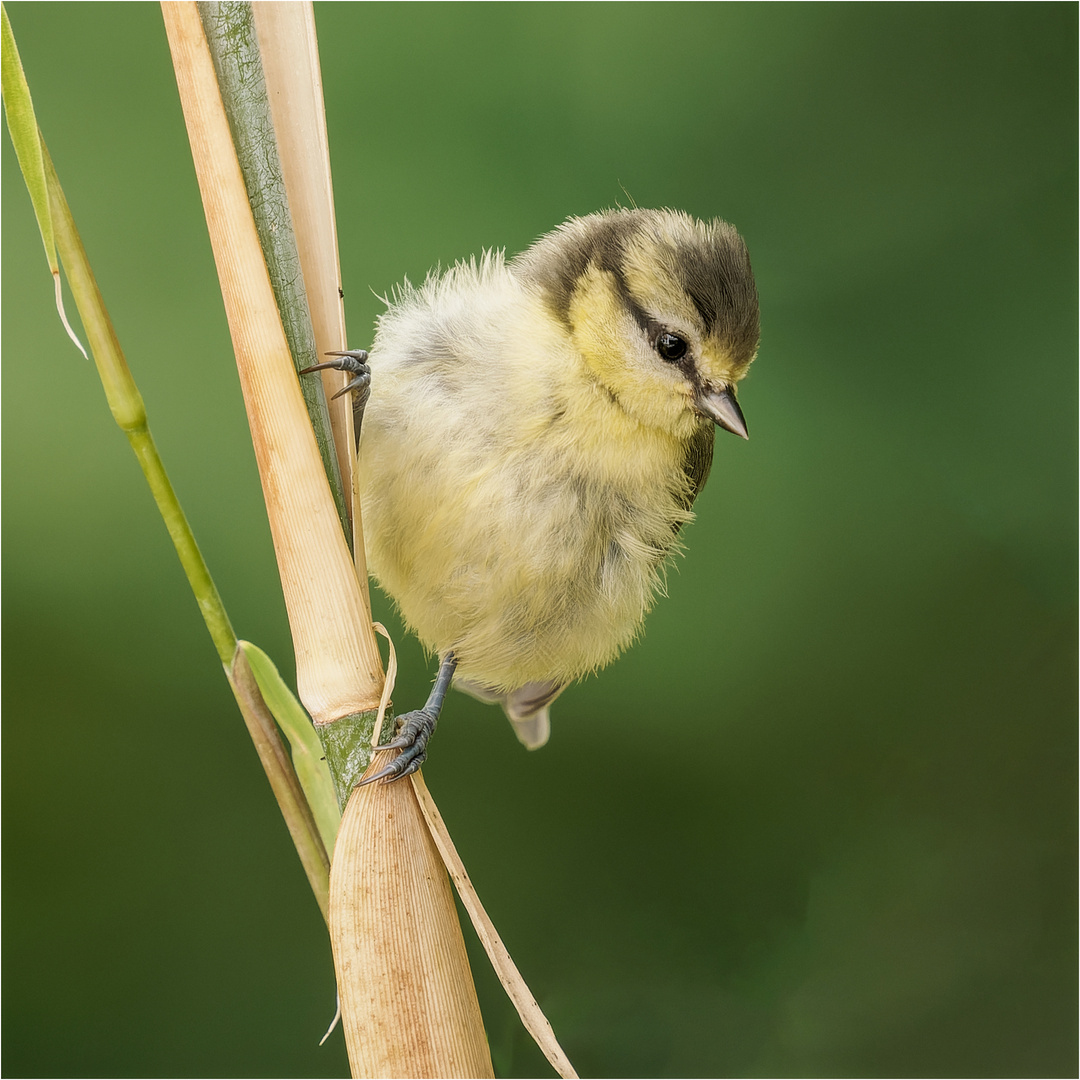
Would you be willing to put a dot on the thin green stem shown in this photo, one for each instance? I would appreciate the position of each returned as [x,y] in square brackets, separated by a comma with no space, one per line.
[128,409]
[187,550]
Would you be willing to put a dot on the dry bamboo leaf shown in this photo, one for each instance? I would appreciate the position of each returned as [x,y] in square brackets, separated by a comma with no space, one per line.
[408,1004]
[536,1023]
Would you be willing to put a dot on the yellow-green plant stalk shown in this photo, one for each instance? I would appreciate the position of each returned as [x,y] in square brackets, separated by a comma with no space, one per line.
[60,235]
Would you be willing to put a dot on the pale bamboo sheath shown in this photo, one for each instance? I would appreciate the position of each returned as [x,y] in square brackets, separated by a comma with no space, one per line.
[337,661]
[408,1004]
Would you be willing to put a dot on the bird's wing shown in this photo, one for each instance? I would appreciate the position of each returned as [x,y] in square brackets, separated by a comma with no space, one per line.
[698,460]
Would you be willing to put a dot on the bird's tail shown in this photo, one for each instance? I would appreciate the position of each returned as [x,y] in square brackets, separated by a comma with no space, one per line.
[533,730]
[526,707]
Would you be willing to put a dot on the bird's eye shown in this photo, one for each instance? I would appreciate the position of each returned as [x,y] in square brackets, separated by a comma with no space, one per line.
[671,346]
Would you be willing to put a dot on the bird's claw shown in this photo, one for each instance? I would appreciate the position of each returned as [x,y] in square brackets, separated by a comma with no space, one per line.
[414,731]
[401,766]
[355,363]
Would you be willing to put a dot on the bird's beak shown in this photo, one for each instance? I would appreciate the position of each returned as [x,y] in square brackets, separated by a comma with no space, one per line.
[721,406]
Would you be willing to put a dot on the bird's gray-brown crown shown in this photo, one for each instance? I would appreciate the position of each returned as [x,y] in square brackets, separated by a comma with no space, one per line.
[656,259]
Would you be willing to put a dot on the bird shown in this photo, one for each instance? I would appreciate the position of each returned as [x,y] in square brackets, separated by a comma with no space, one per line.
[533,433]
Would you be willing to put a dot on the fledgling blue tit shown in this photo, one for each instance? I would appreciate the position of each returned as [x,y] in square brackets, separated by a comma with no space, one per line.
[536,434]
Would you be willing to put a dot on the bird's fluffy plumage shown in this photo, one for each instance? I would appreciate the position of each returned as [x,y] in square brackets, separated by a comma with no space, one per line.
[527,459]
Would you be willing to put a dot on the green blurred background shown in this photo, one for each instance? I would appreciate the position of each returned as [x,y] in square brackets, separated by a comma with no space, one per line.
[820,820]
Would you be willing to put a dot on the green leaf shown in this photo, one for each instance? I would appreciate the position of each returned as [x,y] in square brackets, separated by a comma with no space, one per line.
[22,124]
[26,138]
[307,751]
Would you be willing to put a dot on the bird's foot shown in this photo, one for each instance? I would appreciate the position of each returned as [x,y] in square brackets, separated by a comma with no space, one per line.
[353,363]
[414,731]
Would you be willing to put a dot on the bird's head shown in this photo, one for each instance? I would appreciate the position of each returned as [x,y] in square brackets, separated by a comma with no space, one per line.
[662,309]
